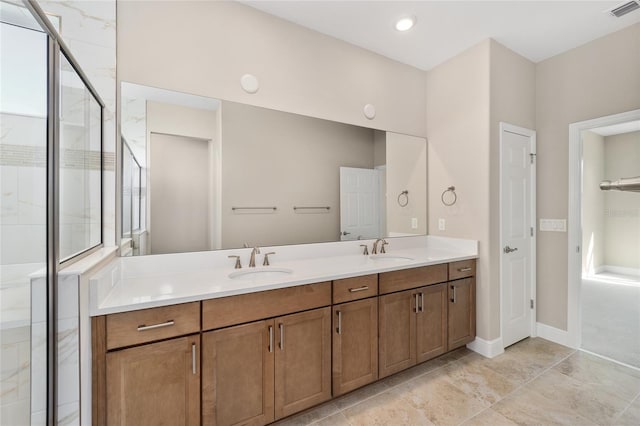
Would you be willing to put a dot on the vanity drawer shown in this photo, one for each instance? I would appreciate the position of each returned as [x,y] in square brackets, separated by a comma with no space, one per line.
[390,282]
[232,310]
[355,288]
[462,269]
[147,325]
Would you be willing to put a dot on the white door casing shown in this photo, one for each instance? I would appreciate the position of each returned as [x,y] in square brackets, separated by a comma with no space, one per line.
[359,204]
[517,233]
[573,337]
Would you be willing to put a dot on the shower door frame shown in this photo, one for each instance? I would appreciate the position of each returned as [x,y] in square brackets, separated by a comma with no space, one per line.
[55,48]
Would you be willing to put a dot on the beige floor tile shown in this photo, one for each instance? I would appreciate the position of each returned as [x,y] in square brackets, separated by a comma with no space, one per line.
[526,407]
[417,371]
[474,378]
[441,401]
[587,399]
[309,416]
[622,381]
[630,417]
[338,419]
[385,409]
[360,395]
[489,417]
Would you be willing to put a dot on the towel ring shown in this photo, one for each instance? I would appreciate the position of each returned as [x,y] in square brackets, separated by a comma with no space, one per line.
[403,201]
[451,189]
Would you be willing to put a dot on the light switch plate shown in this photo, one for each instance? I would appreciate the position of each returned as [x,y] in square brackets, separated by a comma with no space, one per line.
[553,225]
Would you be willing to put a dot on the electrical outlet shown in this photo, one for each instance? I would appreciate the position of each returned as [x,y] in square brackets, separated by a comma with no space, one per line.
[441,224]
[414,223]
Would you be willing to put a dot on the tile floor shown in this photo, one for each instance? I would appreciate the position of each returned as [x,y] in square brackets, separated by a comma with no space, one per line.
[535,382]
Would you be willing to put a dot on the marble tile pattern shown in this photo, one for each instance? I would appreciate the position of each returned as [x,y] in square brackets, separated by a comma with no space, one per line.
[535,382]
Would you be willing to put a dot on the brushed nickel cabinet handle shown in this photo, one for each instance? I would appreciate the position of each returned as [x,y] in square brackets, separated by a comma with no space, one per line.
[453,298]
[416,302]
[339,328]
[363,288]
[467,269]
[151,327]
[421,302]
[193,358]
[281,326]
[270,339]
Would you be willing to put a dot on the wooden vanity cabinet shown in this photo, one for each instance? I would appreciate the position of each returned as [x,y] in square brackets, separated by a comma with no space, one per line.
[461,312]
[237,375]
[431,322]
[397,334]
[302,361]
[259,372]
[355,345]
[157,383]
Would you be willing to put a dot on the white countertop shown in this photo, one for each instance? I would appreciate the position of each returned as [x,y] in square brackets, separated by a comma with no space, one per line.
[129,284]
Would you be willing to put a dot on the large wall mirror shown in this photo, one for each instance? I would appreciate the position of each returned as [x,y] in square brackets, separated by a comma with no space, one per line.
[203,174]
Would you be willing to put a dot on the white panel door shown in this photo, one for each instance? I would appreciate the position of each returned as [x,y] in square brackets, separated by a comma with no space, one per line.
[516,233]
[359,205]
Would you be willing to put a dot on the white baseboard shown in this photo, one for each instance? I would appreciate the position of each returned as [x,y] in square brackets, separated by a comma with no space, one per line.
[621,270]
[552,334]
[487,348]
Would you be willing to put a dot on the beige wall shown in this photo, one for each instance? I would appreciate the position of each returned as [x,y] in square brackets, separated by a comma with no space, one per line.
[467,98]
[458,133]
[513,82]
[406,170]
[205,47]
[193,123]
[592,202]
[285,160]
[597,79]
[622,209]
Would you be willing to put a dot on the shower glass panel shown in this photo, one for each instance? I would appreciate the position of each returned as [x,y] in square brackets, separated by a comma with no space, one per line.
[80,165]
[23,217]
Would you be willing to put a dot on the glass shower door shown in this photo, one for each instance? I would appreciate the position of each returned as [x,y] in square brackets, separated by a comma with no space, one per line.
[23,218]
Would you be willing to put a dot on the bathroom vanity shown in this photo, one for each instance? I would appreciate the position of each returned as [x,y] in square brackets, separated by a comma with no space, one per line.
[268,343]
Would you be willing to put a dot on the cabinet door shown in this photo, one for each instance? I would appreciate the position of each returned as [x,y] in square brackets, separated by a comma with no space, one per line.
[237,375]
[155,384]
[355,345]
[303,361]
[397,332]
[431,322]
[462,312]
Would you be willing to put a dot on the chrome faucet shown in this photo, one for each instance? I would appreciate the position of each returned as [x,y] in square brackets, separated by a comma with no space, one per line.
[374,249]
[384,243]
[252,259]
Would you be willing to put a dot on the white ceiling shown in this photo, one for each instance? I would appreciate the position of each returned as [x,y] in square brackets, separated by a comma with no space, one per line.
[535,29]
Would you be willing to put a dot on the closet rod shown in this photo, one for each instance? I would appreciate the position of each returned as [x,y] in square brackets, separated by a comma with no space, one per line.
[624,184]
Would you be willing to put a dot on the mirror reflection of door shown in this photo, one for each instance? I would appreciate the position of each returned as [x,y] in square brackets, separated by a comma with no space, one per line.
[359,204]
[179,193]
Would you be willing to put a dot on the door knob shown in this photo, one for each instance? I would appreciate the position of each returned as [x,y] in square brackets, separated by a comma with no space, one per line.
[345,233]
[508,249]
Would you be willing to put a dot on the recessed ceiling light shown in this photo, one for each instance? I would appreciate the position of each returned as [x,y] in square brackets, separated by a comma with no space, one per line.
[406,23]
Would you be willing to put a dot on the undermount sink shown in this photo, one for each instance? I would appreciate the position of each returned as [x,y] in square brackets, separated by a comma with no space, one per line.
[389,258]
[264,273]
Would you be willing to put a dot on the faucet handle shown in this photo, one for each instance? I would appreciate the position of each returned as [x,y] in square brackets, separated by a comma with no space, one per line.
[384,243]
[266,258]
[365,252]
[238,264]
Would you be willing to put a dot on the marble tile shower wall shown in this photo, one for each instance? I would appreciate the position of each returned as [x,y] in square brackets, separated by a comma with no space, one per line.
[89,30]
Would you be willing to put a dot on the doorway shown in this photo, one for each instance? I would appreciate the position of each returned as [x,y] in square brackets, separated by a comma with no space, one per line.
[179,193]
[517,236]
[604,237]
[610,260]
